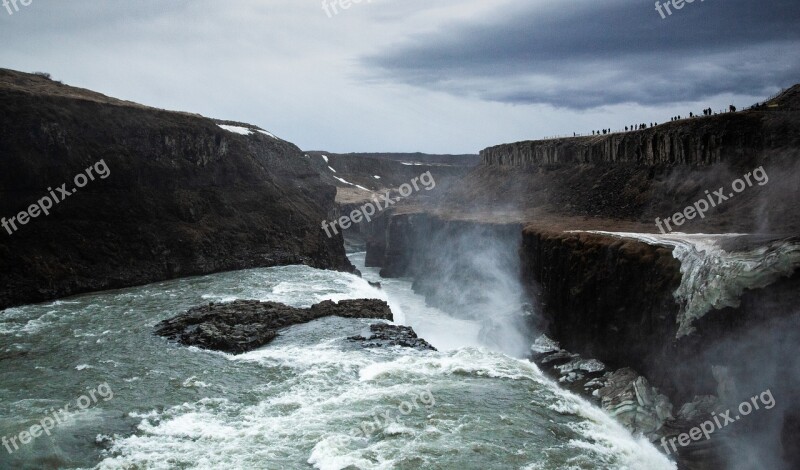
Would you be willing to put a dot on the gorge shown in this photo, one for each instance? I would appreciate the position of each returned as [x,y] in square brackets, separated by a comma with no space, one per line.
[683,325]
[540,250]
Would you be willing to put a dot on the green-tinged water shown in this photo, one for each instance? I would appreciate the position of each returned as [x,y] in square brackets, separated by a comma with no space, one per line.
[311,399]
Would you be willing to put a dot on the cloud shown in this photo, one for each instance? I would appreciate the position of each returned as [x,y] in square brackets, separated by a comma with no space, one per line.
[450,76]
[588,54]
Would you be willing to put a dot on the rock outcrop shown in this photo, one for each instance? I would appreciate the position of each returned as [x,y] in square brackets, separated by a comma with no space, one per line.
[183,196]
[381,335]
[244,325]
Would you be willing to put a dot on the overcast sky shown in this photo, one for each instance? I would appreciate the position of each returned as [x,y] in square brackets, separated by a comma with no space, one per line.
[439,76]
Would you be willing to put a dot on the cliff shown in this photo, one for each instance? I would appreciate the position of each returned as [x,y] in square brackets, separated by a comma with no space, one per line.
[695,141]
[181,195]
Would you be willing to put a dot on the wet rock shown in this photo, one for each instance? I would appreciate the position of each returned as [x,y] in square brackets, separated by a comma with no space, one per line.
[244,325]
[623,393]
[383,336]
[637,405]
[376,285]
[573,372]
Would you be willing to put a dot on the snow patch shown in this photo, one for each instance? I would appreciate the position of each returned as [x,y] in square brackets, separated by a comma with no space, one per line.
[344,181]
[236,129]
[244,130]
[351,184]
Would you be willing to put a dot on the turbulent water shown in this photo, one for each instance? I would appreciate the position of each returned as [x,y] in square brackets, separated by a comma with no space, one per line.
[311,399]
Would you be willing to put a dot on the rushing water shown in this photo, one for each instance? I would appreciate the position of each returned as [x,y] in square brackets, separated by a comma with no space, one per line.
[307,400]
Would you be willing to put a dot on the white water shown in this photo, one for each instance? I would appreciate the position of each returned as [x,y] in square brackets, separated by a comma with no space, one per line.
[296,402]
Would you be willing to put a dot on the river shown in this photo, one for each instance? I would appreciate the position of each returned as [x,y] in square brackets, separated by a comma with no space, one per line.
[310,399]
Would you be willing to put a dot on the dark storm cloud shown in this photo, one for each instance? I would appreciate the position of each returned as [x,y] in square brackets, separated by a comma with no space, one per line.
[584,54]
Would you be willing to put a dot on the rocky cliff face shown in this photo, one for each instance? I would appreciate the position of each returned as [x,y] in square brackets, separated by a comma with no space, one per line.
[183,196]
[697,141]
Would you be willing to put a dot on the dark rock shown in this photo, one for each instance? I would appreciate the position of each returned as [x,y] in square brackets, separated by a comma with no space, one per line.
[383,336]
[790,437]
[377,285]
[245,325]
[696,141]
[182,196]
[635,403]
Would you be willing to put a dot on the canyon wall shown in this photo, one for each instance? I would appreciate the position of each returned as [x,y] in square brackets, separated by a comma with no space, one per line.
[698,141]
[182,196]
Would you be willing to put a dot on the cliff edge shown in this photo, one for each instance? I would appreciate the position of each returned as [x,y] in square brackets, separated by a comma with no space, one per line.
[134,194]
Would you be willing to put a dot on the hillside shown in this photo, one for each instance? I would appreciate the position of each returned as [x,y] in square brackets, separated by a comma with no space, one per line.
[181,195]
